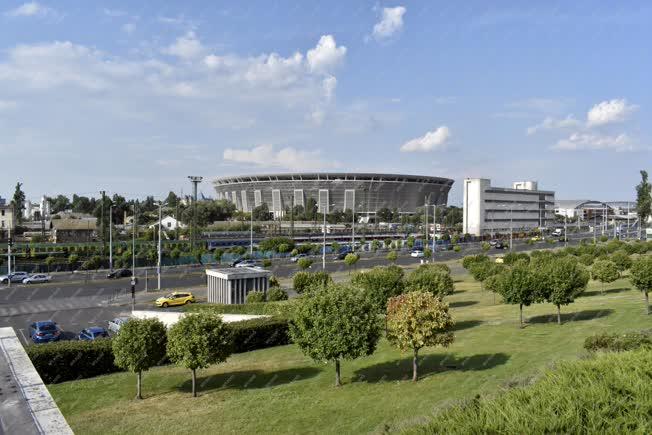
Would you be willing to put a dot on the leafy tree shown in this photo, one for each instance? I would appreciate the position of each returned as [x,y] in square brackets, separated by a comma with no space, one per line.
[427,253]
[482,270]
[604,271]
[416,320]
[334,323]
[410,242]
[262,213]
[388,243]
[198,340]
[276,244]
[172,199]
[49,261]
[283,248]
[380,284]
[375,245]
[176,253]
[335,247]
[138,346]
[468,261]
[512,257]
[304,263]
[561,281]
[392,256]
[641,277]
[277,294]
[198,253]
[430,279]
[59,203]
[486,246]
[73,259]
[351,259]
[644,198]
[18,202]
[274,282]
[304,281]
[255,297]
[217,254]
[586,259]
[517,285]
[622,260]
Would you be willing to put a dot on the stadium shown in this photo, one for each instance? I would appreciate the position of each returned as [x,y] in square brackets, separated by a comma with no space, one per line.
[362,192]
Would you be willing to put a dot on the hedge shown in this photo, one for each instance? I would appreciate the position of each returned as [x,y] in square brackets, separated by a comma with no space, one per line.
[68,360]
[272,308]
[259,333]
[618,342]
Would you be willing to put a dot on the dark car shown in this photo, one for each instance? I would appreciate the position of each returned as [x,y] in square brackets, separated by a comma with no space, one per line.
[235,262]
[93,333]
[44,332]
[119,273]
[499,245]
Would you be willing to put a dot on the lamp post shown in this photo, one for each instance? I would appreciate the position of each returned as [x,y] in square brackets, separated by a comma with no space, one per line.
[323,248]
[111,238]
[158,263]
[133,243]
[251,233]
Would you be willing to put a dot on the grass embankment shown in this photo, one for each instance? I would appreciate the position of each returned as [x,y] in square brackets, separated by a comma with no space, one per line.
[278,390]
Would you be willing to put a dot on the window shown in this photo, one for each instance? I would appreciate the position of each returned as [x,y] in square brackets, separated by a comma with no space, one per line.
[257,198]
[323,201]
[349,199]
[169,224]
[277,207]
[245,206]
[298,197]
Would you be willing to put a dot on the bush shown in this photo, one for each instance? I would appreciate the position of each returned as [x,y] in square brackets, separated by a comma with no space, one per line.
[604,238]
[267,263]
[69,360]
[469,260]
[513,257]
[274,282]
[281,309]
[277,294]
[255,297]
[617,342]
[457,248]
[259,334]
[302,281]
[304,263]
[586,259]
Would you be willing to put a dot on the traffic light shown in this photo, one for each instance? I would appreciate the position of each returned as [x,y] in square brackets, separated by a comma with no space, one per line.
[11,241]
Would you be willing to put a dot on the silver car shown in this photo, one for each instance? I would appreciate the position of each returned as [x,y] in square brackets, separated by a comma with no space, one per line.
[115,324]
[36,278]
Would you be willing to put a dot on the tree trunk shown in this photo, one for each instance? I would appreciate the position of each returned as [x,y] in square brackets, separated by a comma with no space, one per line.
[558,315]
[338,382]
[647,303]
[602,289]
[520,309]
[194,383]
[415,365]
[138,384]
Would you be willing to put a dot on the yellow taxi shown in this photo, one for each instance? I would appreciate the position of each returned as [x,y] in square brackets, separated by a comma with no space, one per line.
[175,298]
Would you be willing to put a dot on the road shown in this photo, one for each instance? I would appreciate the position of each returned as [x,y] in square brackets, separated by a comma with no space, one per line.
[76,301]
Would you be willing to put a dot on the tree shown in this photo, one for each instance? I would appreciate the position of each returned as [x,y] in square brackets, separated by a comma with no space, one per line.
[644,198]
[484,269]
[468,261]
[73,259]
[175,254]
[486,246]
[18,202]
[410,242]
[604,271]
[622,259]
[351,259]
[334,323]
[49,261]
[427,278]
[517,285]
[392,256]
[304,281]
[304,263]
[375,245]
[172,199]
[380,283]
[561,281]
[641,277]
[197,341]
[427,253]
[139,346]
[335,247]
[416,320]
[277,294]
[388,243]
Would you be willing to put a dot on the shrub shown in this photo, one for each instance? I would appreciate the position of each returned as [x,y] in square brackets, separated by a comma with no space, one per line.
[259,334]
[392,256]
[302,281]
[622,260]
[617,342]
[457,248]
[586,259]
[304,263]
[255,297]
[282,309]
[469,260]
[69,360]
[267,262]
[274,282]
[513,257]
[277,294]
[380,283]
[604,238]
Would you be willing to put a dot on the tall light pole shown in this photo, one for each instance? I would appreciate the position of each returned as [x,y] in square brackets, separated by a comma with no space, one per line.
[133,243]
[111,238]
[323,248]
[103,226]
[565,232]
[425,206]
[158,263]
[195,180]
[353,224]
[10,243]
[251,232]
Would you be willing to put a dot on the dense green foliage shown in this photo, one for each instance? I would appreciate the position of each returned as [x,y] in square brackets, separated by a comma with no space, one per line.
[607,394]
[622,259]
[304,281]
[618,342]
[561,280]
[604,271]
[641,277]
[380,284]
[275,294]
[430,279]
[280,308]
[519,286]
[274,243]
[304,263]
[469,260]
[255,297]
[392,256]
[68,360]
[261,333]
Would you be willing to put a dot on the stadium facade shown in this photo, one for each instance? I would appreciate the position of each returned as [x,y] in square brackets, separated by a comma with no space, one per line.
[363,192]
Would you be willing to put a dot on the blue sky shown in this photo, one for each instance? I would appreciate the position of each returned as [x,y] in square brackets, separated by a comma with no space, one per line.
[132,99]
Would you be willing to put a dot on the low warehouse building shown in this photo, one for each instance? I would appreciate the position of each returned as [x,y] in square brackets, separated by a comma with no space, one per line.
[232,285]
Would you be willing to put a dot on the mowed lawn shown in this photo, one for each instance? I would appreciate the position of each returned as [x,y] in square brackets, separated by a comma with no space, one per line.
[279,390]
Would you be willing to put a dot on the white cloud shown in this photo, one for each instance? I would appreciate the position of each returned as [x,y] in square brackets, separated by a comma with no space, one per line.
[329,84]
[588,141]
[326,56]
[432,140]
[287,158]
[390,22]
[29,10]
[550,123]
[187,46]
[7,105]
[114,12]
[129,28]
[608,112]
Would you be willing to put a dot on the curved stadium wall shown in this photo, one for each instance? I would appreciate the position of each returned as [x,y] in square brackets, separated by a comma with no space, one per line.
[368,193]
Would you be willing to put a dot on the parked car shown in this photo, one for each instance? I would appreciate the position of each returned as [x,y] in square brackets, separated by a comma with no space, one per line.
[493,242]
[93,333]
[234,263]
[537,239]
[115,324]
[13,277]
[557,232]
[417,253]
[44,332]
[297,257]
[246,263]
[175,298]
[499,245]
[119,273]
[36,278]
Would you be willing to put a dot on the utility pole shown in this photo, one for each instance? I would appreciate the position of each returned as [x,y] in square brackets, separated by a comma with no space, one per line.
[251,233]
[133,243]
[195,180]
[111,238]
[323,249]
[425,207]
[291,221]
[434,224]
[10,243]
[353,225]
[176,216]
[103,228]
[511,228]
[565,232]
[158,265]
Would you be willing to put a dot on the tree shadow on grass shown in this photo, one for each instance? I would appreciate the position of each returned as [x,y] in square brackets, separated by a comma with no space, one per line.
[572,317]
[606,292]
[401,369]
[246,379]
[458,304]
[466,324]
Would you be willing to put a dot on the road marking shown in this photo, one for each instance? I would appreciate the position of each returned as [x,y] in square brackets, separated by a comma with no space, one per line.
[23,335]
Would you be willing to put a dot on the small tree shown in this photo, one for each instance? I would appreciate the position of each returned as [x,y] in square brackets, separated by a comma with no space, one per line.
[380,283]
[304,281]
[561,281]
[217,255]
[139,346]
[641,277]
[197,341]
[49,261]
[430,279]
[277,294]
[482,270]
[304,263]
[388,243]
[427,253]
[335,247]
[176,253]
[622,259]
[486,246]
[416,320]
[375,245]
[517,285]
[410,242]
[392,256]
[604,271]
[73,259]
[351,259]
[255,297]
[334,323]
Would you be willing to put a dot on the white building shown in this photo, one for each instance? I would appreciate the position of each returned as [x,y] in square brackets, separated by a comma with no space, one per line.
[37,211]
[489,209]
[7,219]
[169,223]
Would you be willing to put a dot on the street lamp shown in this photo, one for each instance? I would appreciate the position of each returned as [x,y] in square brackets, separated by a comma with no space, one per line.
[323,249]
[111,238]
[158,263]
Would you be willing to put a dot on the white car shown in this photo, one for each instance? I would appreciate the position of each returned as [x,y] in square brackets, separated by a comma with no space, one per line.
[36,278]
[115,324]
[246,263]
[416,254]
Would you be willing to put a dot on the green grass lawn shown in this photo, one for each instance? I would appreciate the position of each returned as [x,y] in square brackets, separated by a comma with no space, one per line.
[278,390]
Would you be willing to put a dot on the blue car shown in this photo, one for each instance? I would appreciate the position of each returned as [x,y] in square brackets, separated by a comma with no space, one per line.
[44,332]
[93,333]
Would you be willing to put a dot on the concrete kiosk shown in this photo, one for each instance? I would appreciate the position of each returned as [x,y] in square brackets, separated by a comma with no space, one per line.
[231,285]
